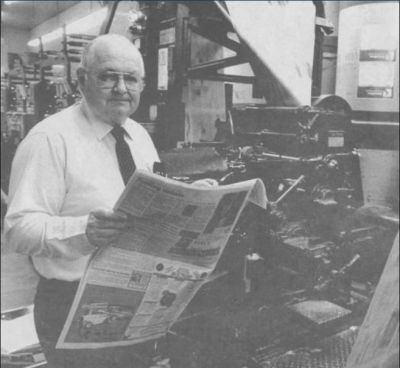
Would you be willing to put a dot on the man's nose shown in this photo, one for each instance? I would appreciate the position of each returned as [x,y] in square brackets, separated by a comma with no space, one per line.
[120,86]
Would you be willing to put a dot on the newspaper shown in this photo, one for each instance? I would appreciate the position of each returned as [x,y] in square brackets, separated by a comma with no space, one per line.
[135,290]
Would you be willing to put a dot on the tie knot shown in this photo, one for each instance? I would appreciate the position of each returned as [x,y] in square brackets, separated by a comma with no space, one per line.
[118,132]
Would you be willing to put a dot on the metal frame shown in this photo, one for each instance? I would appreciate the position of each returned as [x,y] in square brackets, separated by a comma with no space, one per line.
[209,70]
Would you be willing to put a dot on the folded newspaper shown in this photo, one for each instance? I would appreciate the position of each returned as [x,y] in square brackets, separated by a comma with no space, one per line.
[134,290]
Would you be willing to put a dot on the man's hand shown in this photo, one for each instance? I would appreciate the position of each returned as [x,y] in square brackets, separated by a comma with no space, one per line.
[104,226]
[205,183]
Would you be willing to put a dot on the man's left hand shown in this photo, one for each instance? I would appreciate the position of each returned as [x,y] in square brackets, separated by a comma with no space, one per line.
[205,183]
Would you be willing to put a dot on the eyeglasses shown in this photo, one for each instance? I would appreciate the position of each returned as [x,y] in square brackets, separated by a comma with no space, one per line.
[111,79]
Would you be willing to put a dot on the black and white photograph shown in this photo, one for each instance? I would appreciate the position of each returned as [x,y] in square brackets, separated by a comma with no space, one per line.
[200,184]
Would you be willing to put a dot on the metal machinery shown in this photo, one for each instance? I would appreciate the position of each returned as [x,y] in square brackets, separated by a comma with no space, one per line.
[304,270]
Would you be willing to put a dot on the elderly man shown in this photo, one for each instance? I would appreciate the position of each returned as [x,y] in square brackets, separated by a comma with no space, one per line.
[66,176]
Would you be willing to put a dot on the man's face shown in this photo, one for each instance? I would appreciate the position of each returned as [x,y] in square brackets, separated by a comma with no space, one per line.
[112,85]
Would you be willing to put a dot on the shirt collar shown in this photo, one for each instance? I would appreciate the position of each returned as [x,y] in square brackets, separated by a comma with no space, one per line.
[100,128]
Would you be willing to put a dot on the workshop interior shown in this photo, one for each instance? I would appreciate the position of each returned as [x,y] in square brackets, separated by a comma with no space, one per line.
[301,94]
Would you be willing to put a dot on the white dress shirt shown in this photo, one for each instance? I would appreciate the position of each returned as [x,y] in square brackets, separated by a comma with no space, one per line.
[64,168]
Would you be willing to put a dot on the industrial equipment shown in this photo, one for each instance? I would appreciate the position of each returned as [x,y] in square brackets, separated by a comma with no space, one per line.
[316,246]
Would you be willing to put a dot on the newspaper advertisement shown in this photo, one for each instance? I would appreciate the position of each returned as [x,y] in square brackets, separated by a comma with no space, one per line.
[136,289]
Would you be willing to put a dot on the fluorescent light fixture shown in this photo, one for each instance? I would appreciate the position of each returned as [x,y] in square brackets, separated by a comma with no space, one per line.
[10,2]
[57,33]
[34,43]
[78,26]
[48,37]
[90,21]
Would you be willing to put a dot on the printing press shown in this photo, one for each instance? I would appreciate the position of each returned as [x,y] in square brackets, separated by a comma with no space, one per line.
[315,246]
[295,280]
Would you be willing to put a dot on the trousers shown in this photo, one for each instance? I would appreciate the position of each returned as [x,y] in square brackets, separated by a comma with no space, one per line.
[52,303]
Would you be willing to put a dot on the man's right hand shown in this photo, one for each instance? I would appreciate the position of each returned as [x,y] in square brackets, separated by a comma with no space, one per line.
[104,227]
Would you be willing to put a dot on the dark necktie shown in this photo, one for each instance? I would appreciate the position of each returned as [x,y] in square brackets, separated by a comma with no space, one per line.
[126,164]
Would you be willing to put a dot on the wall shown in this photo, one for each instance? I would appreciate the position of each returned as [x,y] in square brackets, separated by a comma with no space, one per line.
[15,39]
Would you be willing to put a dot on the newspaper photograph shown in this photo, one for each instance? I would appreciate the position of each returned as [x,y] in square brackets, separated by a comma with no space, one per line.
[136,289]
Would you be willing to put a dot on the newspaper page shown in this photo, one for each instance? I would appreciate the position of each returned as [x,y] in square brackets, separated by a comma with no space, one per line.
[136,289]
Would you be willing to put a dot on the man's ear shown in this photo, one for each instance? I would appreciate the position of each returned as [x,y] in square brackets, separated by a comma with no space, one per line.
[81,74]
[142,84]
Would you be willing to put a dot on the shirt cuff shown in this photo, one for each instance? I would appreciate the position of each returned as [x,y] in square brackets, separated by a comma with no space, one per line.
[68,237]
[83,245]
